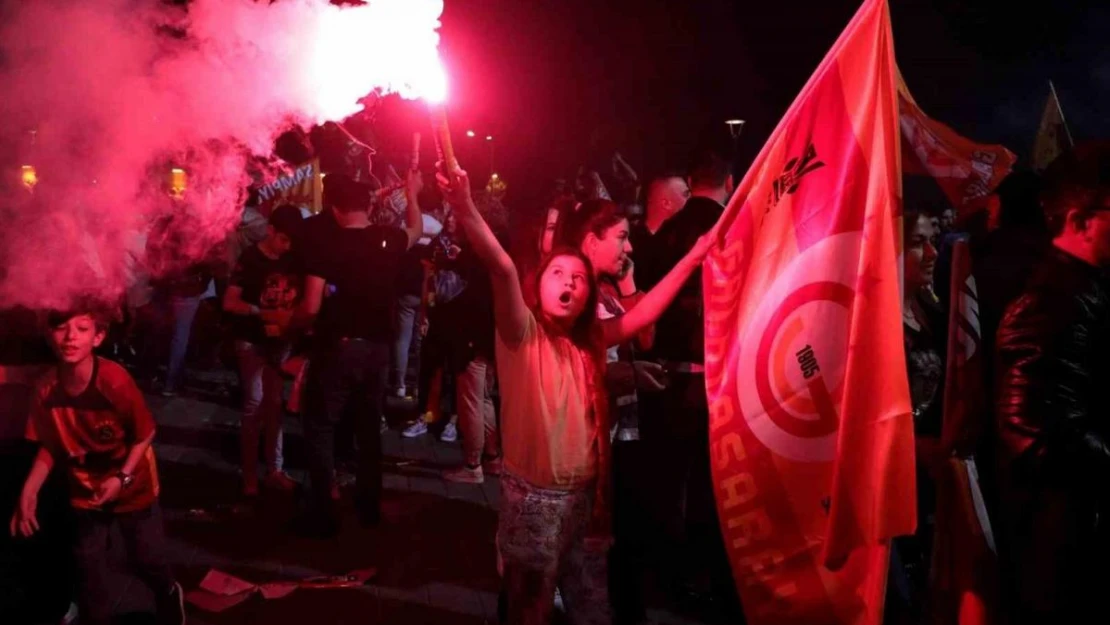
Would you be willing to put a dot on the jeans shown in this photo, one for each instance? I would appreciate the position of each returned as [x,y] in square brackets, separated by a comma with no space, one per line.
[477,419]
[350,374]
[435,360]
[262,388]
[144,539]
[184,313]
[405,331]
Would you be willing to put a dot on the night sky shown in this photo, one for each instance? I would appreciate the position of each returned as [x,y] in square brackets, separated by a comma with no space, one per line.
[558,82]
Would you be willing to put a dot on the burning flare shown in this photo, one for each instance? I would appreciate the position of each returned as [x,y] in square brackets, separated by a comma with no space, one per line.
[386,45]
[200,86]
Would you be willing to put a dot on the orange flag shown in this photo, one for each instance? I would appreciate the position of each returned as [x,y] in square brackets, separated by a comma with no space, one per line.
[967,171]
[964,577]
[811,430]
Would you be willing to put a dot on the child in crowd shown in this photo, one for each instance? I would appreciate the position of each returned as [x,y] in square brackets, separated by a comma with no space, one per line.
[89,416]
[265,287]
[555,422]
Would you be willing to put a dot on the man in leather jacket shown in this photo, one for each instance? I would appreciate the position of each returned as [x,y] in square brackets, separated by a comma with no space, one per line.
[1053,406]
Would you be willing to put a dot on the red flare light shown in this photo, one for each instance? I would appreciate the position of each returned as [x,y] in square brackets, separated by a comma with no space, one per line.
[387,45]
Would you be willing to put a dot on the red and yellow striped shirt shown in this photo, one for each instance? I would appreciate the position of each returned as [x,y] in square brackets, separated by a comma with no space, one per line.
[92,433]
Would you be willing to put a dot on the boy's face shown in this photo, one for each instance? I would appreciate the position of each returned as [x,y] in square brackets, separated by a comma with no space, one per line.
[75,338]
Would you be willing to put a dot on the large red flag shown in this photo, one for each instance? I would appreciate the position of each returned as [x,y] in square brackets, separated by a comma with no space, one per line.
[966,171]
[811,431]
[965,581]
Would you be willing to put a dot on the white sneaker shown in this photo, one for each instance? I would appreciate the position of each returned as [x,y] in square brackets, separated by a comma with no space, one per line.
[465,475]
[420,428]
[70,615]
[400,392]
[450,433]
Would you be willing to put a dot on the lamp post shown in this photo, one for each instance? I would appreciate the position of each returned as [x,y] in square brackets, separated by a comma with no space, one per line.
[489,142]
[735,127]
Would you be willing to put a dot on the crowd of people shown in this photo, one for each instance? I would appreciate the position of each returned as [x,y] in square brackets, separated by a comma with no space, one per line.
[572,366]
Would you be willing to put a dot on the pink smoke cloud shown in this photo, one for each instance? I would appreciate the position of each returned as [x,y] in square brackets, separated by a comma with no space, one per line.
[118,91]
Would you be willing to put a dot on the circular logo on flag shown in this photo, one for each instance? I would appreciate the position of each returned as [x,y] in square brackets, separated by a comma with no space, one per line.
[792,352]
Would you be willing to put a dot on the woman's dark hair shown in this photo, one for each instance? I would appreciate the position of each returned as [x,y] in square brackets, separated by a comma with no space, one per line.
[582,332]
[563,207]
[909,219]
[593,216]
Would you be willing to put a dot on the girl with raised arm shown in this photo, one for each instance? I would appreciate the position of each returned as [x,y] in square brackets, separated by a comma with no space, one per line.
[555,424]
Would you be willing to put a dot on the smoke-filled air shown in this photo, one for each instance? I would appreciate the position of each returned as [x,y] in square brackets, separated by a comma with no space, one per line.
[104,98]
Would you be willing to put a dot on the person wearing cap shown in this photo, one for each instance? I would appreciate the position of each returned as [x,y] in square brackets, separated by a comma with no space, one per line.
[264,289]
[353,333]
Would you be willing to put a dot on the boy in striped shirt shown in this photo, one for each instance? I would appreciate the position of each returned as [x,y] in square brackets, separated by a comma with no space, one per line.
[90,418]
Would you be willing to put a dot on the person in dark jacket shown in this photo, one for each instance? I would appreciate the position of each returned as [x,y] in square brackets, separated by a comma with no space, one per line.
[674,424]
[1053,405]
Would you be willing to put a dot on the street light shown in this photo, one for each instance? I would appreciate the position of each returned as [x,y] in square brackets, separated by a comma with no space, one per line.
[489,140]
[178,182]
[470,133]
[29,177]
[734,127]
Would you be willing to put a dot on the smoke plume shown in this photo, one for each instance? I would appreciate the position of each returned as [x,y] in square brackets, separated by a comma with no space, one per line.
[104,97]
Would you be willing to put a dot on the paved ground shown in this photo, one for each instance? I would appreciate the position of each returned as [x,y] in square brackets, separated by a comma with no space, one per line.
[434,552]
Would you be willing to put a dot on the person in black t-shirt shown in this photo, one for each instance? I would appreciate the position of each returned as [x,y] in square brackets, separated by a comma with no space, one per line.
[264,289]
[359,264]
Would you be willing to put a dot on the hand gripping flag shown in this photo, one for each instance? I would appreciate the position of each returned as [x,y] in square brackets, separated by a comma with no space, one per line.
[811,431]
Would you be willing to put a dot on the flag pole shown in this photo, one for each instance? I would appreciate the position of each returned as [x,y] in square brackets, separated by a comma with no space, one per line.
[1067,131]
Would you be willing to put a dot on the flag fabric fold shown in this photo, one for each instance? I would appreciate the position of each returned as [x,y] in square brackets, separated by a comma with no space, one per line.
[964,576]
[966,171]
[811,430]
